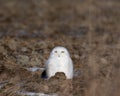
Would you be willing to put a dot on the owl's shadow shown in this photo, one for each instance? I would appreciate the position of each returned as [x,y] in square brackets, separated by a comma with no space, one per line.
[58,75]
[44,75]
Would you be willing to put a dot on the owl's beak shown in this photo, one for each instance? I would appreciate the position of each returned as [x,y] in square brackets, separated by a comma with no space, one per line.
[58,55]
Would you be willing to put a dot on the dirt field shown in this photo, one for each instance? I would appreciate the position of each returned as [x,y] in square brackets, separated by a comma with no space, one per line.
[89,29]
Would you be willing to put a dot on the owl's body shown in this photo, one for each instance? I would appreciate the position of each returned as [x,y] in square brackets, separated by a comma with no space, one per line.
[59,61]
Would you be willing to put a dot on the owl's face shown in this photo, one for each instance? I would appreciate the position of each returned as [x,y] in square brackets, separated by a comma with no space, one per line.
[59,52]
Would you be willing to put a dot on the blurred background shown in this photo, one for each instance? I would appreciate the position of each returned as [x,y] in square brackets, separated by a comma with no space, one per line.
[89,29]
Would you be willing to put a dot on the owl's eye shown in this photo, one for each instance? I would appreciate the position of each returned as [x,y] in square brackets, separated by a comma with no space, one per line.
[55,51]
[62,52]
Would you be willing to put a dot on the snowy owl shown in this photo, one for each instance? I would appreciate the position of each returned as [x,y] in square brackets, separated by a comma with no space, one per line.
[59,61]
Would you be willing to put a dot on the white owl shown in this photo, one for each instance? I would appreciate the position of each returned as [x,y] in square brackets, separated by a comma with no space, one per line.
[59,61]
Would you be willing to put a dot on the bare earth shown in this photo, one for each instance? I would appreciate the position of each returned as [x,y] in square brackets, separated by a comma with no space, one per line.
[89,29]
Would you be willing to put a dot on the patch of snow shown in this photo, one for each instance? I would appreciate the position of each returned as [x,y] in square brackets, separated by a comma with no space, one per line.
[24,93]
[2,84]
[78,73]
[33,69]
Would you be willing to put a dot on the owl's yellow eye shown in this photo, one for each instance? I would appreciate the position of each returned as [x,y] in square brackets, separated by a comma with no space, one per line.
[55,51]
[62,51]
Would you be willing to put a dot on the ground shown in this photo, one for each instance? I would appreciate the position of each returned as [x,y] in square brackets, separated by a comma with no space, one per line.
[89,29]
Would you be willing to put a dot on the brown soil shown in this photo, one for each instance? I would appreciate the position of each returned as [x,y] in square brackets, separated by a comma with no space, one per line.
[89,29]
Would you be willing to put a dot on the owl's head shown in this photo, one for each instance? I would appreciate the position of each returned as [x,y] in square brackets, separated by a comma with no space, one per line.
[59,52]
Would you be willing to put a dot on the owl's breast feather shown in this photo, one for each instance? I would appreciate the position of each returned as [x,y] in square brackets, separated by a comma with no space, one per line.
[58,63]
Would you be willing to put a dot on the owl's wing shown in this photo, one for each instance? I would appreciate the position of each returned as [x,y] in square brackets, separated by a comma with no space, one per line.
[47,64]
[71,63]
[71,68]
